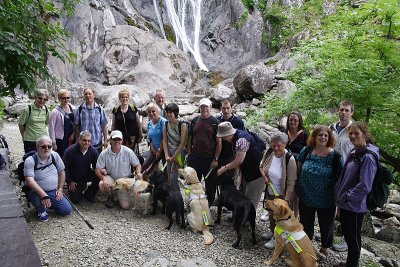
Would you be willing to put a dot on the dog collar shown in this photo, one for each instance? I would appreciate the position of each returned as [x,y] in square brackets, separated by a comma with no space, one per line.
[285,219]
[291,237]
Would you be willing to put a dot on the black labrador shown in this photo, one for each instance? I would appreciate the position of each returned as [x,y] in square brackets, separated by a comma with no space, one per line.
[174,203]
[242,211]
[159,180]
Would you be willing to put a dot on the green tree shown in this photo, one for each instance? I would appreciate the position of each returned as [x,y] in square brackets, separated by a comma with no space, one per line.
[355,55]
[29,33]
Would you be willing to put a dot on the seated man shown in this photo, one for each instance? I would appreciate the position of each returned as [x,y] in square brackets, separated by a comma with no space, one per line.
[114,163]
[80,161]
[45,176]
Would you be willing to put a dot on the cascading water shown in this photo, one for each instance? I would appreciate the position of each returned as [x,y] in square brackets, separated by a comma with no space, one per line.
[160,24]
[185,17]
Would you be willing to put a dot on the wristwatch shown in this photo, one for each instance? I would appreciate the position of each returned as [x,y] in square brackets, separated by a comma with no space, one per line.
[59,189]
[216,158]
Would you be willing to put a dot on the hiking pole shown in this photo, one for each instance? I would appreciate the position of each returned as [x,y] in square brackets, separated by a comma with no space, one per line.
[80,214]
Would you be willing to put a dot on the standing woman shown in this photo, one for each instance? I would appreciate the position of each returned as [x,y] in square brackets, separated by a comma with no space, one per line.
[353,187]
[318,169]
[297,141]
[154,136]
[174,141]
[283,177]
[61,124]
[125,118]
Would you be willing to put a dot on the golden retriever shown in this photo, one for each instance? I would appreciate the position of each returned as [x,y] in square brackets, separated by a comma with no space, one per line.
[197,202]
[138,188]
[286,220]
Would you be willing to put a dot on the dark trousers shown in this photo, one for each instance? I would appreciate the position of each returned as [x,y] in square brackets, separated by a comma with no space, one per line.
[351,223]
[202,166]
[29,146]
[326,218]
[90,193]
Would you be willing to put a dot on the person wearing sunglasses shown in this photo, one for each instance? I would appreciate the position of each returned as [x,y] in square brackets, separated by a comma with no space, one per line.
[33,120]
[61,124]
[45,176]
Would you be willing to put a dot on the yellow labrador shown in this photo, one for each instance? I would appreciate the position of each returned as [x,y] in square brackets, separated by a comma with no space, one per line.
[199,217]
[289,236]
[139,188]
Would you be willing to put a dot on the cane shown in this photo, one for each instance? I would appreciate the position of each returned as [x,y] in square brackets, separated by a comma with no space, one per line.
[80,214]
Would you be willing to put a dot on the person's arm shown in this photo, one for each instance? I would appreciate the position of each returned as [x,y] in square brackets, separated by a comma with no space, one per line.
[262,166]
[140,128]
[22,121]
[104,129]
[234,163]
[52,126]
[113,122]
[218,148]
[291,177]
[165,143]
[44,198]
[21,129]
[61,181]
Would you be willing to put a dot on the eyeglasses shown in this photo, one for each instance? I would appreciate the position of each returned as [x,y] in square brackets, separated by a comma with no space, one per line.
[46,147]
[64,98]
[86,140]
[42,99]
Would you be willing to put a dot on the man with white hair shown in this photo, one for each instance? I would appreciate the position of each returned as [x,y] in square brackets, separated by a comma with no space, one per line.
[114,163]
[159,98]
[45,176]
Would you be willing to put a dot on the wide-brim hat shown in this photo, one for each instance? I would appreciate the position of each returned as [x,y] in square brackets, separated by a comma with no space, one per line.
[225,129]
[116,134]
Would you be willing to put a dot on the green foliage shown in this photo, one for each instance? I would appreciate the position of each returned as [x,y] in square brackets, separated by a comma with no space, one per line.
[262,5]
[169,33]
[248,4]
[1,110]
[242,20]
[215,77]
[27,37]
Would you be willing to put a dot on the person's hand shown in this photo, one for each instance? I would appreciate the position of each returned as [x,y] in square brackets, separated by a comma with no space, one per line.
[139,176]
[214,164]
[59,195]
[103,172]
[46,202]
[221,170]
[72,186]
[266,179]
[173,158]
[105,145]
[158,154]
[139,139]
[55,147]
[168,158]
[106,183]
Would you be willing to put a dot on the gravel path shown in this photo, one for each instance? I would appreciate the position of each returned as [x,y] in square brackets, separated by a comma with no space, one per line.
[128,238]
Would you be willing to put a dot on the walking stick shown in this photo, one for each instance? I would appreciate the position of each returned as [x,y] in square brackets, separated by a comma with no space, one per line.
[80,214]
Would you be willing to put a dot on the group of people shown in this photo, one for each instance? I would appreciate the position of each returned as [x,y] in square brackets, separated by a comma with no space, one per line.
[315,173]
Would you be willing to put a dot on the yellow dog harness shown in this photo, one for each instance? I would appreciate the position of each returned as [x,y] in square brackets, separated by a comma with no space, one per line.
[291,237]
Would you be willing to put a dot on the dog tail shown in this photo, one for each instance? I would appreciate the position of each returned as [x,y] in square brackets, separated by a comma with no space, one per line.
[208,237]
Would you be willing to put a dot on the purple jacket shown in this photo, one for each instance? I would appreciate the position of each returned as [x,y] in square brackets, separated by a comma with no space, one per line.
[356,181]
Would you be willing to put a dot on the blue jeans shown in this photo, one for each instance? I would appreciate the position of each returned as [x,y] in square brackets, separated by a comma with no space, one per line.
[62,207]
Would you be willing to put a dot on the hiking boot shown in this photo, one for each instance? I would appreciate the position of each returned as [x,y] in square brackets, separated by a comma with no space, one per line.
[270,244]
[265,217]
[91,199]
[110,201]
[267,235]
[43,216]
[340,245]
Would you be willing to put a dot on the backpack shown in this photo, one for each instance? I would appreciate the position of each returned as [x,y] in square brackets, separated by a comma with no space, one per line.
[180,127]
[3,142]
[380,191]
[20,172]
[260,143]
[80,110]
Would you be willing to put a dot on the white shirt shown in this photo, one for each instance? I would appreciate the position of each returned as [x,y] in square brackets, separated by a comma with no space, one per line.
[275,174]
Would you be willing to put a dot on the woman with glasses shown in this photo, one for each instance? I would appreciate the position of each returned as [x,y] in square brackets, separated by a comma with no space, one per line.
[61,125]
[125,118]
[319,167]
[154,136]
[33,121]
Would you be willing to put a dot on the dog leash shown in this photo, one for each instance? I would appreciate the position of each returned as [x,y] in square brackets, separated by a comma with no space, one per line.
[208,174]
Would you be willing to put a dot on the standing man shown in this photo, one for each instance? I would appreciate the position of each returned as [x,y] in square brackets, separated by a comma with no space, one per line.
[203,147]
[343,145]
[90,116]
[33,121]
[80,161]
[45,176]
[227,148]
[114,163]
[159,98]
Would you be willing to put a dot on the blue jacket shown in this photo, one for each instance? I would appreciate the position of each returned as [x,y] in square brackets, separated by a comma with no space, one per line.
[356,181]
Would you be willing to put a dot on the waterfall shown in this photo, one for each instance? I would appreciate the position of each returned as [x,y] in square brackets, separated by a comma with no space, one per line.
[160,24]
[185,18]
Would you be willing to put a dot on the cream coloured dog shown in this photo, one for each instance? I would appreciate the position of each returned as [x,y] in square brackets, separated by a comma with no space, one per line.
[289,236]
[139,188]
[199,217]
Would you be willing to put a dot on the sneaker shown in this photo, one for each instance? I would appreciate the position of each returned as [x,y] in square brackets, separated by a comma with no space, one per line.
[110,201]
[264,217]
[43,216]
[267,235]
[270,244]
[340,245]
